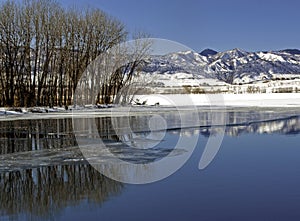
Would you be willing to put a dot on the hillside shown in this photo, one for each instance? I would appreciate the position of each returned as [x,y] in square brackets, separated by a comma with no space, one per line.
[230,68]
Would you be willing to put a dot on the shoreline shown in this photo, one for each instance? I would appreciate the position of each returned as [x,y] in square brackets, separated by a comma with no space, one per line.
[167,102]
[132,111]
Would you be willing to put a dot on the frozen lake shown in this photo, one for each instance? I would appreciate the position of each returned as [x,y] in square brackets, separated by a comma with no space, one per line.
[45,171]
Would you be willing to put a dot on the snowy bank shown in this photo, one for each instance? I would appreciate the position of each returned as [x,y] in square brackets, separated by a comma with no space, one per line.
[161,102]
[237,100]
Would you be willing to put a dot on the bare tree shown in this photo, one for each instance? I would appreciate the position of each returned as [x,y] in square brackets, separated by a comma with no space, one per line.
[44,49]
[108,78]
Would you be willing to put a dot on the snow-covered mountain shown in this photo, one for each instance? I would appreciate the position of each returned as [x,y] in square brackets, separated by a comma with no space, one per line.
[208,52]
[230,67]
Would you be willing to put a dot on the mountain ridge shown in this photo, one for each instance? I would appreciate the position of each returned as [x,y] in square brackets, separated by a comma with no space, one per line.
[208,52]
[235,66]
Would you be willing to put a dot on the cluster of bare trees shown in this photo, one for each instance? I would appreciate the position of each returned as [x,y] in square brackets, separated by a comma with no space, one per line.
[45,49]
[115,75]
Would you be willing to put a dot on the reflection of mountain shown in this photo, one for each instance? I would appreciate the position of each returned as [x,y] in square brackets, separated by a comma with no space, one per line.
[236,122]
[283,126]
[32,135]
[290,125]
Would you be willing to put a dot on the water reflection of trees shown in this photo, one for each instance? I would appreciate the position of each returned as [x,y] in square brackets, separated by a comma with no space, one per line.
[29,135]
[47,190]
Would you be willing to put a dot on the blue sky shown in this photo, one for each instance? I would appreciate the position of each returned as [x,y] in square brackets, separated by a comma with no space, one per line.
[225,24]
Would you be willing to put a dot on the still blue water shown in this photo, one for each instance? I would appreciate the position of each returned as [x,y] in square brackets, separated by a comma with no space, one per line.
[254,176]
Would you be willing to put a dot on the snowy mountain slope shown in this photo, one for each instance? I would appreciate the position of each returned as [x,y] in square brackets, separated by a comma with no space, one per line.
[230,67]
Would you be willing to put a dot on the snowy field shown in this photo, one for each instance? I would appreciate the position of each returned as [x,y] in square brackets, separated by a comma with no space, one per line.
[164,103]
[236,100]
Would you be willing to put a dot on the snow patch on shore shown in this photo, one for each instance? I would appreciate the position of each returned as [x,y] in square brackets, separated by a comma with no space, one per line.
[238,100]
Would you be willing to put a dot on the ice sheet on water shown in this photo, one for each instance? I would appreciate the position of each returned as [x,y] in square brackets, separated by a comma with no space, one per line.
[73,155]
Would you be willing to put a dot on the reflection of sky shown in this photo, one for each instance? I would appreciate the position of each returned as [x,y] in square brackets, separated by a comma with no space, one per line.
[251,173]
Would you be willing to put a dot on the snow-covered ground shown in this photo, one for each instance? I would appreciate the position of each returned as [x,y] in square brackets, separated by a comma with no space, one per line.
[182,82]
[165,102]
[242,100]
